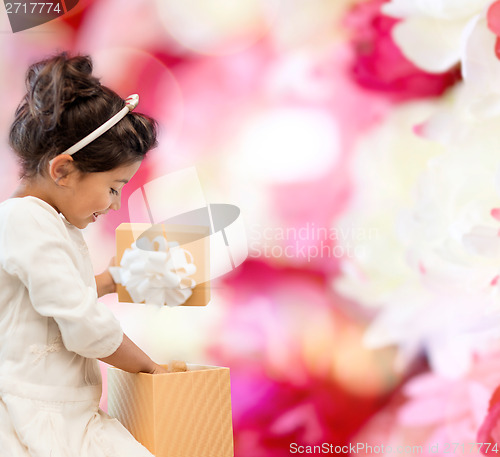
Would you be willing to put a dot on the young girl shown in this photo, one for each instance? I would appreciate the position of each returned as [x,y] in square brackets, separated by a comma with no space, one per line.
[52,327]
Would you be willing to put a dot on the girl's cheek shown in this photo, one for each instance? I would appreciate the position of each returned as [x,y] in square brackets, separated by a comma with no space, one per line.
[104,203]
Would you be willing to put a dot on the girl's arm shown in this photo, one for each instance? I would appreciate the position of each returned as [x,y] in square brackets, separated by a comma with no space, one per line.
[129,357]
[104,281]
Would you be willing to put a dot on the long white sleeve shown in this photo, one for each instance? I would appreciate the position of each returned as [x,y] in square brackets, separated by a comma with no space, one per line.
[35,247]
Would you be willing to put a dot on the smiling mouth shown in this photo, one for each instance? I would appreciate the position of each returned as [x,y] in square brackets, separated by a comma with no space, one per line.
[96,215]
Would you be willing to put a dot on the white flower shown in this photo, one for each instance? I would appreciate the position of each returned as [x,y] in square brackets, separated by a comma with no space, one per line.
[431,31]
[385,167]
[452,247]
[481,70]
[448,325]
[433,270]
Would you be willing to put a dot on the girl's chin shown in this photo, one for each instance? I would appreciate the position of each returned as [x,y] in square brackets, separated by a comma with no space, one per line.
[81,223]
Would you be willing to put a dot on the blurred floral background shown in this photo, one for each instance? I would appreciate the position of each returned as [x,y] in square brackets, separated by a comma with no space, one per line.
[361,141]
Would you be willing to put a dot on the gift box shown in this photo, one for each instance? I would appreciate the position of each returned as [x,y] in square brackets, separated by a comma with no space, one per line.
[186,414]
[192,240]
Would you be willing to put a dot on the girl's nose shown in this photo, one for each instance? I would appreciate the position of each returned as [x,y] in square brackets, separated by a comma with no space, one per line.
[116,203]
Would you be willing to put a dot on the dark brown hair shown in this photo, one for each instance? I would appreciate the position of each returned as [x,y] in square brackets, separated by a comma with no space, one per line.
[64,102]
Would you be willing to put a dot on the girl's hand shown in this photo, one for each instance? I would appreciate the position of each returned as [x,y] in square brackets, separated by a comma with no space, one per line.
[158,369]
[104,282]
[112,285]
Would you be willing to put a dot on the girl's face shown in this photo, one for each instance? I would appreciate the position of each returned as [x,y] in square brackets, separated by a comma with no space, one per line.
[94,194]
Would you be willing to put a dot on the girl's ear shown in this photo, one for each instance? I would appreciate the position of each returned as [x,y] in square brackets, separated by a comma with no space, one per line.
[61,168]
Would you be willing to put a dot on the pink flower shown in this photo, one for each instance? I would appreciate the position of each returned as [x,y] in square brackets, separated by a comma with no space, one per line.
[298,372]
[493,18]
[379,64]
[277,414]
[439,415]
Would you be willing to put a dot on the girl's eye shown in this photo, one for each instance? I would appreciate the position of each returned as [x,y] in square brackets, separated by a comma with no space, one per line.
[113,191]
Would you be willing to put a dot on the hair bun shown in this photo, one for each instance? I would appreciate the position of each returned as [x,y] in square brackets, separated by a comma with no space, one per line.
[64,103]
[56,83]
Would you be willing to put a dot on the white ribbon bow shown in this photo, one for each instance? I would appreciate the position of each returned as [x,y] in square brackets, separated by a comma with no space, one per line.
[156,276]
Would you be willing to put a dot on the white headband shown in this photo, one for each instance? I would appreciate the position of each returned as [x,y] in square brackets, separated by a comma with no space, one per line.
[130,103]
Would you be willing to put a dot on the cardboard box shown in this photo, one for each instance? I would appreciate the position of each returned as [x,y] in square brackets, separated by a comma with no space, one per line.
[184,414]
[193,238]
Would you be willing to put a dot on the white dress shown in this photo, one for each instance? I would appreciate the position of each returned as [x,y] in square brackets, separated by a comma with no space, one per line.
[52,330]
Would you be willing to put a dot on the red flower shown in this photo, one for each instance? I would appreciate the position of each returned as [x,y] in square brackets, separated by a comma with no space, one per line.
[489,432]
[379,64]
